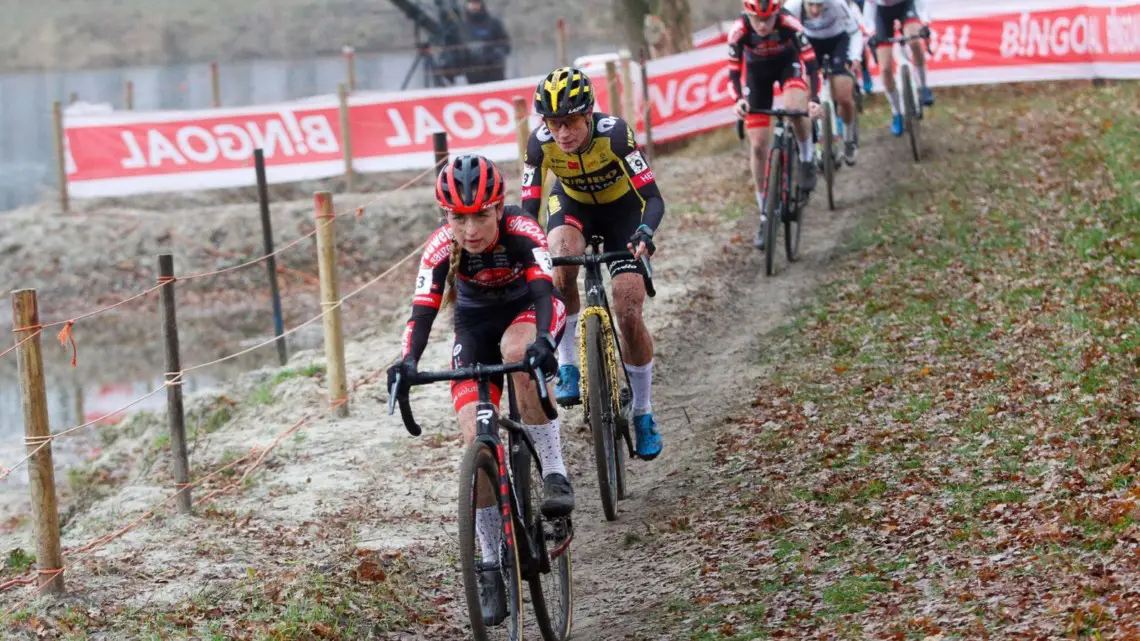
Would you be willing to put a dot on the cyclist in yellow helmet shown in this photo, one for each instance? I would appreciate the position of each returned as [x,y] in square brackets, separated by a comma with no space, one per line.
[604,187]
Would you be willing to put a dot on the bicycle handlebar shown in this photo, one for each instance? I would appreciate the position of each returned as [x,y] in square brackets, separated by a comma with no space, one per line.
[606,258]
[779,113]
[477,372]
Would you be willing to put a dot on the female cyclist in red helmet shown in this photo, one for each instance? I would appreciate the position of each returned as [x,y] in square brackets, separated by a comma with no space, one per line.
[768,45]
[492,263]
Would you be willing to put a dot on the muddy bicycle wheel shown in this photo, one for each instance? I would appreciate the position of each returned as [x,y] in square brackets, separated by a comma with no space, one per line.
[548,567]
[480,470]
[829,155]
[911,113]
[602,420]
[772,210]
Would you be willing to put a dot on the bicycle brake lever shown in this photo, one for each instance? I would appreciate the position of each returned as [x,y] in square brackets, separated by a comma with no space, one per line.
[392,395]
[650,290]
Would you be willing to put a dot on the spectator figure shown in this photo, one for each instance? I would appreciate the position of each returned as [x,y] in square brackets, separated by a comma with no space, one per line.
[488,44]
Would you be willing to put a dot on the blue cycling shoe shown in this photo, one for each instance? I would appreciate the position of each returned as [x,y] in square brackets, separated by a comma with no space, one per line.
[648,439]
[897,125]
[867,84]
[927,96]
[567,393]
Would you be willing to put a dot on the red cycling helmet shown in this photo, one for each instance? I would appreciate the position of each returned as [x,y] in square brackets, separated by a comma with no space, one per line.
[469,184]
[761,8]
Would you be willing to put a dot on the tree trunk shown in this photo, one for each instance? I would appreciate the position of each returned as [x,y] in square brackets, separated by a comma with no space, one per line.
[676,14]
[631,14]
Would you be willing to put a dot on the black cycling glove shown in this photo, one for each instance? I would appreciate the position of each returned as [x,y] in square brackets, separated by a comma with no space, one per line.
[643,235]
[405,370]
[541,354]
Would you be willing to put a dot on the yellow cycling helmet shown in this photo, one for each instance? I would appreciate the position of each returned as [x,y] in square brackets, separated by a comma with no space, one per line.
[563,92]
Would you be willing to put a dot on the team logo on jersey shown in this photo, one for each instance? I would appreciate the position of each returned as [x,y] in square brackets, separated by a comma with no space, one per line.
[553,205]
[606,124]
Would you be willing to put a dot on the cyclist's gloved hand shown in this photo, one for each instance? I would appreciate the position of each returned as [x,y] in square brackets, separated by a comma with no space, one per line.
[925,31]
[742,108]
[404,369]
[541,354]
[643,236]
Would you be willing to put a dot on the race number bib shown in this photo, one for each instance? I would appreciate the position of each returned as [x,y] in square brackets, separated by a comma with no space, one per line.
[636,162]
[423,281]
[543,260]
[528,174]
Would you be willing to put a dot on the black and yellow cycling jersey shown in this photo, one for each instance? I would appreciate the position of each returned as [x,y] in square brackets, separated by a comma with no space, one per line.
[609,167]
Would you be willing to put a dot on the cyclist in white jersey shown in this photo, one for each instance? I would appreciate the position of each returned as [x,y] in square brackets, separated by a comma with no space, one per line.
[881,15]
[833,31]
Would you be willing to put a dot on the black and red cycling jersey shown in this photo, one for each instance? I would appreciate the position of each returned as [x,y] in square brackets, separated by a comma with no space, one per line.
[785,45]
[515,266]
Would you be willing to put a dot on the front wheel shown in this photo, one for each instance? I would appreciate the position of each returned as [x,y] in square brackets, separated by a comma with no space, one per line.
[829,154]
[911,113]
[772,209]
[602,420]
[479,477]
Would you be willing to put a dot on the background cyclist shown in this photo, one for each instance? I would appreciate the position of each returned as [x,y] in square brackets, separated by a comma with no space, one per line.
[833,30]
[881,16]
[493,263]
[768,45]
[604,187]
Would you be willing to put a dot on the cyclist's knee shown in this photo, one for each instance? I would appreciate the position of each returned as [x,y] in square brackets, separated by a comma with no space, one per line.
[566,240]
[514,342]
[629,298]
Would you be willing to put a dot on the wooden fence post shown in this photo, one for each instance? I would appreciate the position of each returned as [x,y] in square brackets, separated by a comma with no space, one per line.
[612,89]
[129,95]
[439,147]
[350,66]
[73,98]
[646,107]
[522,129]
[628,112]
[61,156]
[345,135]
[330,299]
[563,60]
[37,433]
[174,411]
[215,84]
[271,262]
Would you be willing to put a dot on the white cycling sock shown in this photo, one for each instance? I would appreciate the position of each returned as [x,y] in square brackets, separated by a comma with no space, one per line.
[848,132]
[893,97]
[489,531]
[641,378]
[760,200]
[807,150]
[568,346]
[921,75]
[548,443]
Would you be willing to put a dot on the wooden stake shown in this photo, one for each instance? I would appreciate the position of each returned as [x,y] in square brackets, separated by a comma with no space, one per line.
[129,95]
[614,93]
[646,107]
[215,84]
[439,147]
[563,60]
[73,98]
[60,156]
[326,263]
[174,411]
[41,472]
[628,113]
[350,66]
[345,135]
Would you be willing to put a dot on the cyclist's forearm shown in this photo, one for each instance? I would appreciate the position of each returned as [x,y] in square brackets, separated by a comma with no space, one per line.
[654,211]
[734,81]
[542,293]
[417,331]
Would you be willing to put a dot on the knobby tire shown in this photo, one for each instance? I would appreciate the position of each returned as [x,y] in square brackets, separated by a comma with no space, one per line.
[772,211]
[829,155]
[479,460]
[550,581]
[912,125]
[601,423]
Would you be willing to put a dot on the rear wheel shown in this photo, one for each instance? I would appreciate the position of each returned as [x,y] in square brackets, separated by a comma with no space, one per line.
[548,569]
[480,469]
[601,415]
[911,114]
[772,209]
[829,155]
